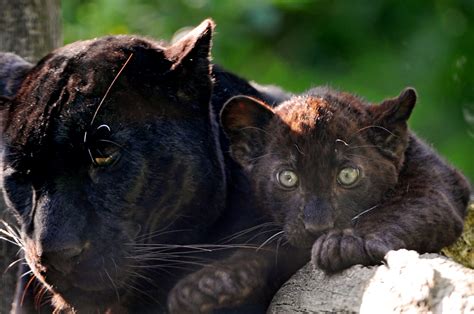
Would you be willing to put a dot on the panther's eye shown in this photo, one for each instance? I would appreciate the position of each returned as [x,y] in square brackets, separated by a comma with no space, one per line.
[107,160]
[102,150]
[287,179]
[348,176]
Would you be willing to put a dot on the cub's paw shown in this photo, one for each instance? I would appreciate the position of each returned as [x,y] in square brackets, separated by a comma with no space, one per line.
[339,249]
[214,287]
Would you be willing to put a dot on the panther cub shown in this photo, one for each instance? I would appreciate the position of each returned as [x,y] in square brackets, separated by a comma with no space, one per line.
[335,174]
[346,178]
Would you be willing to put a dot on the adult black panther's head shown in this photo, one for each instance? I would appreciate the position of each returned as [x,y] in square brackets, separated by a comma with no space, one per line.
[105,143]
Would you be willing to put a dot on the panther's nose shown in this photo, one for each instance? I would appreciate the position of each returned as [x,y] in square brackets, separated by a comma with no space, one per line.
[63,259]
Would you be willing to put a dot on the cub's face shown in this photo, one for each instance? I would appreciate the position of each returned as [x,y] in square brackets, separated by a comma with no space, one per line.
[320,160]
[105,143]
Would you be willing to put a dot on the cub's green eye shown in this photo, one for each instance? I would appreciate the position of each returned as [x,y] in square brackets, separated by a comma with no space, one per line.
[287,178]
[105,161]
[348,176]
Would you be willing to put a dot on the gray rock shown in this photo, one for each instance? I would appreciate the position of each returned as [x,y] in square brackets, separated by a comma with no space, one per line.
[408,283]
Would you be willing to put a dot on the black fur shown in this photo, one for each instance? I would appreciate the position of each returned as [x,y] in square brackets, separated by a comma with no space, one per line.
[88,229]
[12,72]
[405,196]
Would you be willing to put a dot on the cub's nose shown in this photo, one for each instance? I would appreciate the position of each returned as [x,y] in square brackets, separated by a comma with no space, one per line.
[62,260]
[317,216]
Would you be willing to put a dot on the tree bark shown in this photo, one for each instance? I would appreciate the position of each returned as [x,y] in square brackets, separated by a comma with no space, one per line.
[31,29]
[408,283]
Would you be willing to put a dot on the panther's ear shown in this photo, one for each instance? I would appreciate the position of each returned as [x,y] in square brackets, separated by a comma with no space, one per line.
[244,120]
[191,68]
[192,51]
[13,70]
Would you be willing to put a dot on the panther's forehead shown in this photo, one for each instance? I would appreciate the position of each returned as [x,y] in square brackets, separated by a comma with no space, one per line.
[70,83]
[108,48]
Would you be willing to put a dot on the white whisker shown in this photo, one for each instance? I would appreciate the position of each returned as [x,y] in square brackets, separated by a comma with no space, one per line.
[270,239]
[364,212]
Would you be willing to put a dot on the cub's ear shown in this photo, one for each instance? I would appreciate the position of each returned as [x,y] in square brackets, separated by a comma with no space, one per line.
[398,109]
[244,120]
[13,70]
[391,116]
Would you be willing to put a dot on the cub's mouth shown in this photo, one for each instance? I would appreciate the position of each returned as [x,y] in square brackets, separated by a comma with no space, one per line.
[299,237]
[301,234]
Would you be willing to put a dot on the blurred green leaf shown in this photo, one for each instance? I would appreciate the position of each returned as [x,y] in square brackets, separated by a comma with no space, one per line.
[372,48]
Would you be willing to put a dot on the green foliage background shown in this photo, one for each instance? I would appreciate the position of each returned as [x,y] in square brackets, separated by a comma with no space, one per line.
[371,48]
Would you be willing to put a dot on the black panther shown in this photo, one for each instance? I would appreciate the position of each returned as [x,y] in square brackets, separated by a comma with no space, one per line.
[112,165]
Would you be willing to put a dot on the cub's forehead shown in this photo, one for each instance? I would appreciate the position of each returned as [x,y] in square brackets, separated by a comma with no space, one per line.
[320,116]
[317,125]
[302,113]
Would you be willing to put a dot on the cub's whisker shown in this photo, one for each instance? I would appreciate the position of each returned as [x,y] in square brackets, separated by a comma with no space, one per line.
[363,157]
[277,249]
[364,146]
[246,231]
[270,239]
[258,129]
[262,233]
[370,127]
[262,156]
[356,217]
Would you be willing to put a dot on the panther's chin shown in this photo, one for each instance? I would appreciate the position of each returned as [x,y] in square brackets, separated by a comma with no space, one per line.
[85,293]
[92,271]
[83,301]
[92,289]
[90,281]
